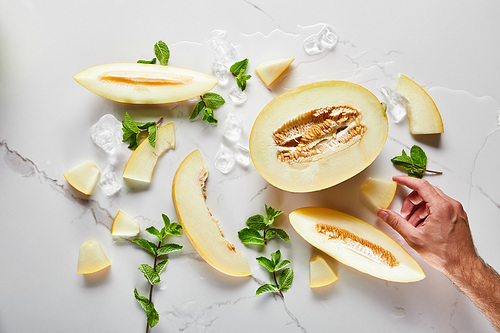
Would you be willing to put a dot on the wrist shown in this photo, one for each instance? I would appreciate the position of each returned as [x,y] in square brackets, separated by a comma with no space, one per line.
[460,270]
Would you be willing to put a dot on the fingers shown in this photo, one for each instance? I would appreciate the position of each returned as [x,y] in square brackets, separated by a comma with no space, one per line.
[397,222]
[418,215]
[425,190]
[409,203]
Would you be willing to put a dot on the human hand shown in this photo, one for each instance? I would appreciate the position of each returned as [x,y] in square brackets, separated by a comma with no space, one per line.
[433,224]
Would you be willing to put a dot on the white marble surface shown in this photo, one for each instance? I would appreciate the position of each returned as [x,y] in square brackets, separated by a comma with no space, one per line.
[450,48]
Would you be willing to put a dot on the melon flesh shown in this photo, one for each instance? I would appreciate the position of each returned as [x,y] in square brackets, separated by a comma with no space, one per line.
[124,226]
[318,135]
[91,258]
[145,83]
[269,71]
[380,192]
[355,243]
[83,177]
[202,229]
[320,273]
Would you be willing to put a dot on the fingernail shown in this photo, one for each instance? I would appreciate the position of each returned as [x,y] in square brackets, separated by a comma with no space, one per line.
[383,215]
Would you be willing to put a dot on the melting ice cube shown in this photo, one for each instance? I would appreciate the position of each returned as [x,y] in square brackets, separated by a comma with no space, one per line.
[221,72]
[312,45]
[327,37]
[107,133]
[232,127]
[242,155]
[224,161]
[110,183]
[396,104]
[224,51]
[237,96]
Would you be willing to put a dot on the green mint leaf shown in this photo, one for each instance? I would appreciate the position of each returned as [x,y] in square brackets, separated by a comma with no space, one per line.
[275,257]
[271,215]
[152,61]
[161,266]
[147,245]
[168,248]
[256,222]
[402,162]
[416,172]
[197,110]
[268,264]
[162,52]
[418,157]
[208,115]
[127,134]
[143,301]
[270,233]
[241,82]
[282,234]
[285,279]
[152,315]
[155,232]
[166,220]
[250,236]
[239,67]
[150,273]
[213,100]
[266,288]
[146,125]
[281,264]
[129,124]
[174,229]
[152,135]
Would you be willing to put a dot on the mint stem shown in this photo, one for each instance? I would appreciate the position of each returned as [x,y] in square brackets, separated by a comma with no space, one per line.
[436,172]
[265,240]
[276,282]
[158,122]
[152,286]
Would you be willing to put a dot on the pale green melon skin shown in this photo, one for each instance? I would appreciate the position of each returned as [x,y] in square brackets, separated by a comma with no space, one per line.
[332,169]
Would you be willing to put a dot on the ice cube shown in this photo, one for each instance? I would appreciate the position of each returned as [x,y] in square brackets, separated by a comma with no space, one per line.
[221,72]
[312,45]
[224,161]
[232,127]
[327,37]
[242,155]
[224,51]
[107,133]
[237,96]
[396,104]
[110,183]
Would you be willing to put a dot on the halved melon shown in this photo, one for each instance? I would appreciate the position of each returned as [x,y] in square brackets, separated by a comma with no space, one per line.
[355,243]
[318,135]
[144,83]
[320,273]
[202,229]
[142,162]
[380,192]
[423,114]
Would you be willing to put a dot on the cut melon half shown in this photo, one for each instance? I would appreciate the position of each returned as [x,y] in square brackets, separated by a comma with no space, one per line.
[142,162]
[145,83]
[423,114]
[124,226]
[318,135]
[380,192]
[269,71]
[320,273]
[83,177]
[91,258]
[202,229]
[355,243]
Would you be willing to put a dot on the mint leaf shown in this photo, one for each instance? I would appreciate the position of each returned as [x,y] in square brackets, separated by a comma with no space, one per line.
[143,301]
[197,110]
[161,266]
[168,248]
[281,264]
[285,279]
[256,222]
[208,116]
[162,52]
[213,100]
[270,233]
[415,164]
[250,236]
[268,264]
[152,135]
[241,81]
[129,124]
[174,229]
[152,61]
[266,288]
[132,130]
[147,245]
[282,234]
[149,273]
[275,257]
[155,232]
[152,315]
[418,157]
[239,67]
[271,215]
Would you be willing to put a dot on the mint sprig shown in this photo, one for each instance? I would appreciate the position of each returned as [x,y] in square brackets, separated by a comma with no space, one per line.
[260,229]
[162,54]
[132,130]
[415,163]
[152,273]
[208,102]
[238,70]
[282,277]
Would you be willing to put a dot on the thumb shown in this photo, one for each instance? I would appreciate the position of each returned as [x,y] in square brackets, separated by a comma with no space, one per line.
[396,221]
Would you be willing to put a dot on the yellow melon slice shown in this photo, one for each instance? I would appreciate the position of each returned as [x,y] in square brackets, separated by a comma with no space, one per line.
[318,135]
[355,243]
[269,71]
[320,273]
[124,226]
[380,192]
[145,83]
[202,229]
[91,258]
[83,177]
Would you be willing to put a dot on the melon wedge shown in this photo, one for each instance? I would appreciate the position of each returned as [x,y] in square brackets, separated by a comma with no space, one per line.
[124,226]
[144,83]
[423,114]
[83,177]
[142,162]
[202,229]
[318,135]
[91,258]
[355,243]
[320,273]
[269,71]
[380,192]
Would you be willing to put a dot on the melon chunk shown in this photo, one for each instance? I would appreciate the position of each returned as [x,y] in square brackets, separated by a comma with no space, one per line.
[355,243]
[318,135]
[202,229]
[145,83]
[142,162]
[269,71]
[423,114]
[124,226]
[83,177]
[320,273]
[91,258]
[380,192]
